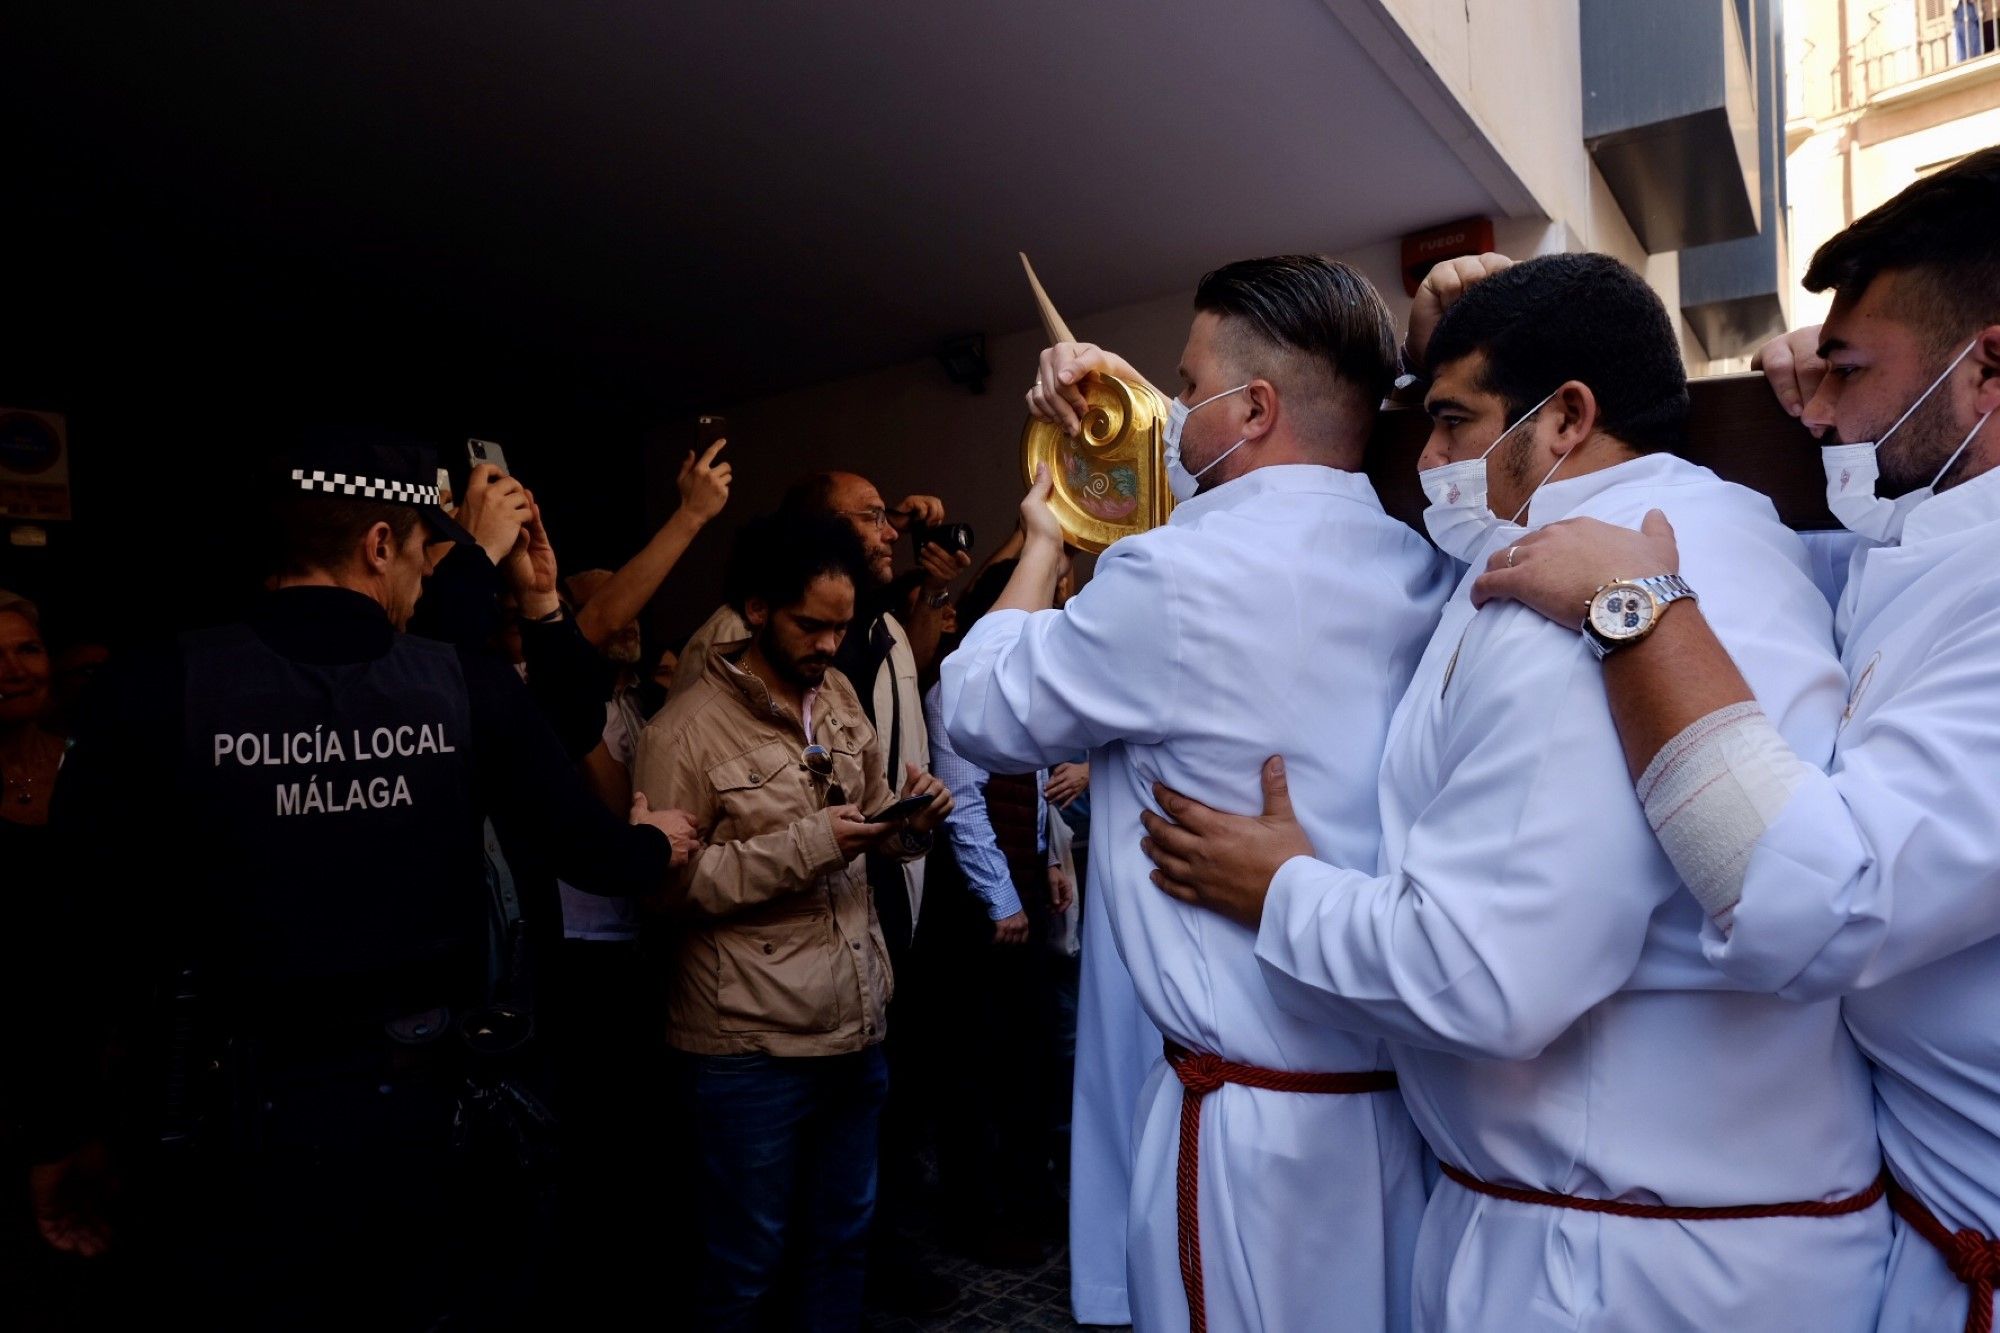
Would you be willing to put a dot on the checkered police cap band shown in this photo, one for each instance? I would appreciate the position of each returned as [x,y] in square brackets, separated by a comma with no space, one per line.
[365,488]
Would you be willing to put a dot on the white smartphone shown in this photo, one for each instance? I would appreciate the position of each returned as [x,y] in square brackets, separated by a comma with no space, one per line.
[486,451]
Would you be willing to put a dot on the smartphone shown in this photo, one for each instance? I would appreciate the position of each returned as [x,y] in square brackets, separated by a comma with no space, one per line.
[902,809]
[485,451]
[707,430]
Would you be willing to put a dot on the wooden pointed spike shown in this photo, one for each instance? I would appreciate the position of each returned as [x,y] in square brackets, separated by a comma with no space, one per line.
[1052,323]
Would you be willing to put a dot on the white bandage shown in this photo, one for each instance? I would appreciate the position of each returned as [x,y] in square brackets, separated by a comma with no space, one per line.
[1711,792]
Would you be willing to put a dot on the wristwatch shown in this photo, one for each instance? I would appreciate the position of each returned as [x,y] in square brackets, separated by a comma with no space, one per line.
[1624,611]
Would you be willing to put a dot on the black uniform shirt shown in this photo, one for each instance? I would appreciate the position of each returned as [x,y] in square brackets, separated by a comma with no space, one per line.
[132,832]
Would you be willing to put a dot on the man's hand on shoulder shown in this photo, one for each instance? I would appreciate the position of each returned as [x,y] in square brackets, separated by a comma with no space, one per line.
[1556,569]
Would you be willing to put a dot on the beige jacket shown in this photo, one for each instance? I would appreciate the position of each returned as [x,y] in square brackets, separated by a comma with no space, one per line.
[775,942]
[896,694]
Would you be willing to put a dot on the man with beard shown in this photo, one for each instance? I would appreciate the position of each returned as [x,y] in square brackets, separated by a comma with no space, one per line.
[886,659]
[1879,879]
[778,996]
[1600,1100]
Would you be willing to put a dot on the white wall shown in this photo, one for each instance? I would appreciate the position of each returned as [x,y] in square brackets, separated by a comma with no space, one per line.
[1514,71]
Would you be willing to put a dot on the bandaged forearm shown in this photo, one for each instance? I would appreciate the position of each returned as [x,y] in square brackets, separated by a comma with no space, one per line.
[1711,792]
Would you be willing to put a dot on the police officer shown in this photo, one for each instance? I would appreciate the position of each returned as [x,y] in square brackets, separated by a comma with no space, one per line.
[274,829]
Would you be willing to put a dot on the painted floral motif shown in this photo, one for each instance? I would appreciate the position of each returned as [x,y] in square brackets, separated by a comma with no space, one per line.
[1109,493]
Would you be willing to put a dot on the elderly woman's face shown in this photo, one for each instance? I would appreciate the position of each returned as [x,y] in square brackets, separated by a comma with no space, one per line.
[24,670]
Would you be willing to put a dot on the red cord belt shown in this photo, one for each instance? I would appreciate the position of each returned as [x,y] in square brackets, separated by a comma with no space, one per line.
[1974,1259]
[1735,1212]
[1201,1074]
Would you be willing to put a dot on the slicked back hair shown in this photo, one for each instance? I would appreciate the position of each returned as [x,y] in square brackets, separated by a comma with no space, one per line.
[1313,316]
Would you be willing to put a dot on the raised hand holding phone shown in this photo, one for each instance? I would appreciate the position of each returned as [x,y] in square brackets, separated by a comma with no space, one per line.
[704,483]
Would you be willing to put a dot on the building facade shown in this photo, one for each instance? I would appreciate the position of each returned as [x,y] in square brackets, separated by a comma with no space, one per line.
[1881,93]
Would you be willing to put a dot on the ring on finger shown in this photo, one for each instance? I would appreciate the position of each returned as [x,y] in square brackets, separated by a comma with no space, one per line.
[1510,556]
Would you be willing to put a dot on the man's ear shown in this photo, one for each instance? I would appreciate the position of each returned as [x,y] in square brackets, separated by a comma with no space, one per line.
[378,548]
[1986,397]
[1577,419]
[756,612]
[1260,408]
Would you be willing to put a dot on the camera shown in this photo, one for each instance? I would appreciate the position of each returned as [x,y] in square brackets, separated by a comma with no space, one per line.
[953,537]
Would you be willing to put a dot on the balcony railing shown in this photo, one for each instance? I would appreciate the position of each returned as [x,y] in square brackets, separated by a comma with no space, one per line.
[1865,74]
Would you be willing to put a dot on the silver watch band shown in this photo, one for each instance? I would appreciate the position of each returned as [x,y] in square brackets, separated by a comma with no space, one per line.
[1666,587]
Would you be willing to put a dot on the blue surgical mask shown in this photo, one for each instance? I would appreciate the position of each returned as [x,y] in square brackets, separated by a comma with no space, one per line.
[1183,483]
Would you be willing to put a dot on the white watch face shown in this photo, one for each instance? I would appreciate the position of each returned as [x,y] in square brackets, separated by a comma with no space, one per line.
[1621,612]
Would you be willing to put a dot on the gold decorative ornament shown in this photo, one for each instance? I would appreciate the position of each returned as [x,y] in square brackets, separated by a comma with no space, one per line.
[1110,479]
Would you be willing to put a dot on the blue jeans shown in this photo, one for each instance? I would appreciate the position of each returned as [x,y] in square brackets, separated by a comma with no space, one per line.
[788,1148]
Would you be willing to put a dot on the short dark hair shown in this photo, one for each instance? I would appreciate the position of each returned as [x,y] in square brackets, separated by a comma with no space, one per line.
[313,533]
[1945,231]
[1583,317]
[1315,306]
[778,556]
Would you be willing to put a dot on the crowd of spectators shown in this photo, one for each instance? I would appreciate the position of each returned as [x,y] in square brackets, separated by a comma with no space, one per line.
[715,1088]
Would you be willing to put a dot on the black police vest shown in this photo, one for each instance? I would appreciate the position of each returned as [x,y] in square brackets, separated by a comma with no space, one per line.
[336,847]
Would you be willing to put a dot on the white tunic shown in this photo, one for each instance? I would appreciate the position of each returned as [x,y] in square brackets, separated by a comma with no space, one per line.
[1529,950]
[1116,1046]
[1883,878]
[1281,613]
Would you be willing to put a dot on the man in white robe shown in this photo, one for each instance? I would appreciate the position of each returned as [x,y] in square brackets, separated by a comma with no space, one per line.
[1879,879]
[1600,1100]
[1116,1044]
[1280,602]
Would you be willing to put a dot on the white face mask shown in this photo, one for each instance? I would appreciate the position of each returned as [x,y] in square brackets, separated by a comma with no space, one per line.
[1180,481]
[1852,470]
[1458,518]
